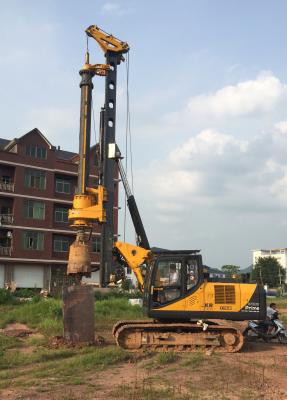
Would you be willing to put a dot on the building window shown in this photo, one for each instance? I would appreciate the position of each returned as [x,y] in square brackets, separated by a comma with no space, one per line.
[36,151]
[61,243]
[34,209]
[96,244]
[63,186]
[6,179]
[33,240]
[35,179]
[61,214]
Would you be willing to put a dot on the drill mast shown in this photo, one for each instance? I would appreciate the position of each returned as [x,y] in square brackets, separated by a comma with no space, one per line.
[96,205]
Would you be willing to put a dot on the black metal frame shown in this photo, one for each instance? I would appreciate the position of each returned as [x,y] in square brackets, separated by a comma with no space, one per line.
[109,167]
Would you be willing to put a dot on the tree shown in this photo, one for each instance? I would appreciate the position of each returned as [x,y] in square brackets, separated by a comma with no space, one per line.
[268,271]
[230,270]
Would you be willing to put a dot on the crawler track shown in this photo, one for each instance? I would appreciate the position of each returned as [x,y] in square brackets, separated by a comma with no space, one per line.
[180,337]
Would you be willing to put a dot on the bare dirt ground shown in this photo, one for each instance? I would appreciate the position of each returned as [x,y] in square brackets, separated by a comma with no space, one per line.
[259,371]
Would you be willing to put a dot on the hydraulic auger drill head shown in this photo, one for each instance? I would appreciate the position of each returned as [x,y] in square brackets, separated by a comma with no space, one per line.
[88,203]
[87,208]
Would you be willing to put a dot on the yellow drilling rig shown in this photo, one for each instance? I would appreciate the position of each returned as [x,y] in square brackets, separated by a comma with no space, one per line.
[181,299]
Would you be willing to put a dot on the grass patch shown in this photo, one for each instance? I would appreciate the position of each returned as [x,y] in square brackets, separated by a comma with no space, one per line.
[8,375]
[172,369]
[161,359]
[59,354]
[166,358]
[36,341]
[99,359]
[51,327]
[117,308]
[32,314]
[46,314]
[91,359]
[145,391]
[193,360]
[115,294]
[108,312]
[7,342]
[14,358]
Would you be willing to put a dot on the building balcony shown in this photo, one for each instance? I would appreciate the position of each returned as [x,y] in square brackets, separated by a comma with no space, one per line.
[5,251]
[6,219]
[7,186]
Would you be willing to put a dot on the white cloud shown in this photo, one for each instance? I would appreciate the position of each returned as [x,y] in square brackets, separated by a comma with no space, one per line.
[279,187]
[281,128]
[115,9]
[259,95]
[219,171]
[168,183]
[206,143]
[110,7]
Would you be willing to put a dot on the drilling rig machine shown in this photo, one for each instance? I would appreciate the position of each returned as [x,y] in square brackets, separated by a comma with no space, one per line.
[182,310]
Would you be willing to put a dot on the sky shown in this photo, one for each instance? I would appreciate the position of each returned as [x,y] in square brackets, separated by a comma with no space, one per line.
[208,109]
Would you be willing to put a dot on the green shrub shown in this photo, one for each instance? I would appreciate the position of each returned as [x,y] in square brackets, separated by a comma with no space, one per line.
[36,299]
[6,297]
[26,293]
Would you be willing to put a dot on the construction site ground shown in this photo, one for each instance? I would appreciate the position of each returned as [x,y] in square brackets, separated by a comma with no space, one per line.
[36,364]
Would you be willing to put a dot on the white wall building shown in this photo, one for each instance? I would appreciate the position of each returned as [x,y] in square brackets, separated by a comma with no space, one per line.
[279,254]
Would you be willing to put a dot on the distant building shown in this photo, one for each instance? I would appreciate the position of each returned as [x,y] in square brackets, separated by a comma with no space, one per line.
[279,254]
[37,185]
[214,272]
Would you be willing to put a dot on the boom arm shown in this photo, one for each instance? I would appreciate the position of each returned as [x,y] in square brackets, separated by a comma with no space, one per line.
[142,239]
[134,256]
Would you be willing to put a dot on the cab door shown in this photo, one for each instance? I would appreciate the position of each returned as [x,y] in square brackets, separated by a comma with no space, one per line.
[167,281]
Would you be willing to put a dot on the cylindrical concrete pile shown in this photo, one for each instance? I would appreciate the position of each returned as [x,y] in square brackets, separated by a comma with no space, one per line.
[78,314]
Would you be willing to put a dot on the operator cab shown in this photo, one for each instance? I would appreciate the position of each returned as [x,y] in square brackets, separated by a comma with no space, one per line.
[173,275]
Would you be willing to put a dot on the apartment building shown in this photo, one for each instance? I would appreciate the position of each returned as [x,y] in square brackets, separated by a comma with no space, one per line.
[279,254]
[37,184]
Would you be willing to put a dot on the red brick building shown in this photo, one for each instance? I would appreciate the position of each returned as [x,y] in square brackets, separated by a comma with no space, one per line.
[37,184]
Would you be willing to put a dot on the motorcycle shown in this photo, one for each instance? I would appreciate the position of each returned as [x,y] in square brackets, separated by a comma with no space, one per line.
[259,329]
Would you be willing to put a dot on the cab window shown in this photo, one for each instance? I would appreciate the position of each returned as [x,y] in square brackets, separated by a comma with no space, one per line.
[168,273]
[191,274]
[167,285]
